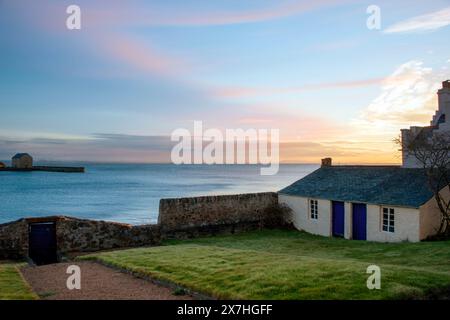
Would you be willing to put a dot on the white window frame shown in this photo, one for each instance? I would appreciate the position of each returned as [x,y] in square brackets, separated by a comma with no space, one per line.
[388,219]
[313,209]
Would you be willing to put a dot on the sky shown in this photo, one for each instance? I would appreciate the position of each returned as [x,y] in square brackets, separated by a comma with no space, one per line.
[116,89]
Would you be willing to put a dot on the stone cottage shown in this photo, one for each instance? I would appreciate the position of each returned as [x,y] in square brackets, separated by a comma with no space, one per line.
[377,203]
[22,161]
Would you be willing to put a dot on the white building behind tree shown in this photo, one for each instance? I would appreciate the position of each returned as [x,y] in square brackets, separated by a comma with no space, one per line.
[438,125]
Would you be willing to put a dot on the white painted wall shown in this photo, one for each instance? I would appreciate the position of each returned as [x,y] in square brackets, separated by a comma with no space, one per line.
[407,220]
[406,224]
[301,217]
[443,107]
[348,220]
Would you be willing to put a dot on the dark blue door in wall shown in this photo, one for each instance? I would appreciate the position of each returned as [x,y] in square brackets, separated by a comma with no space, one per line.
[359,221]
[42,243]
[338,214]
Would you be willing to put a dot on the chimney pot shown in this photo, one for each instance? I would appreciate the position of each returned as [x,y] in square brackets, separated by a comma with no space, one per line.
[327,162]
[446,84]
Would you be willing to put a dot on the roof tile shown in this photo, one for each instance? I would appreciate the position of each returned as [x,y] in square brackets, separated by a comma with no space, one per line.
[387,185]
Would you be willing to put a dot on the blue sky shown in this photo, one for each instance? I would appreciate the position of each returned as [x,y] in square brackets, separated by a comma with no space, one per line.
[137,70]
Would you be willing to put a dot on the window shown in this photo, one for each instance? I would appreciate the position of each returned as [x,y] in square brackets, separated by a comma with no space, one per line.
[313,209]
[388,220]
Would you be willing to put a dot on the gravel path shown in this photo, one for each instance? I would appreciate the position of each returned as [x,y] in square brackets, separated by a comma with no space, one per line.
[97,283]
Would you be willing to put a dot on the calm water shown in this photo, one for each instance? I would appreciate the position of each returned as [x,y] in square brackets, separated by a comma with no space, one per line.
[129,193]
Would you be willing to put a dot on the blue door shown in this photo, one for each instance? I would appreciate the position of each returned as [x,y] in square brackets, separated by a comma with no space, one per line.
[359,221]
[42,243]
[338,218]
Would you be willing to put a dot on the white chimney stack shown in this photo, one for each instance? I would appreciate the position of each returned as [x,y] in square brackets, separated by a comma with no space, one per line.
[442,116]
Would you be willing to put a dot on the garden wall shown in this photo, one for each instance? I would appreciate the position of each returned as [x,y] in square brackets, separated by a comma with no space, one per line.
[178,218]
[208,215]
[14,239]
[77,235]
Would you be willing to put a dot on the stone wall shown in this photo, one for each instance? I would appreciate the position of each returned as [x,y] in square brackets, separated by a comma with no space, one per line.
[14,239]
[77,235]
[201,216]
[178,218]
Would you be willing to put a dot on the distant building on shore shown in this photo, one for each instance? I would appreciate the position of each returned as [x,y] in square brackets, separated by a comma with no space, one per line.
[22,161]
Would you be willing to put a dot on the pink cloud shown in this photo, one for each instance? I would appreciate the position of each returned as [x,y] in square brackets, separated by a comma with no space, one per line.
[126,14]
[293,123]
[140,55]
[50,18]
[244,91]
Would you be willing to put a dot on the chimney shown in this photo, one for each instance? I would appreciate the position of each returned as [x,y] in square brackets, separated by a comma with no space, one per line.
[446,84]
[326,162]
[443,101]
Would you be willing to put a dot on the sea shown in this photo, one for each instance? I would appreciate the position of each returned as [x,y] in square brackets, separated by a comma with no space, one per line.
[129,193]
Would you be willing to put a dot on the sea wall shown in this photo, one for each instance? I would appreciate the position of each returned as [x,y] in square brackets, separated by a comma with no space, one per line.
[47,168]
[209,215]
[77,235]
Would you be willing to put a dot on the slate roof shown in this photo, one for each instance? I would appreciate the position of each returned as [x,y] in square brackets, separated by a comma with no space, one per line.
[20,155]
[383,185]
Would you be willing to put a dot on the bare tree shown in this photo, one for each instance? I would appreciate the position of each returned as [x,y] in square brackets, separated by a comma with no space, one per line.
[432,152]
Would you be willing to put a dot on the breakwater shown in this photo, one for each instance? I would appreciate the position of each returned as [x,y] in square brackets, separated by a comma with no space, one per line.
[48,169]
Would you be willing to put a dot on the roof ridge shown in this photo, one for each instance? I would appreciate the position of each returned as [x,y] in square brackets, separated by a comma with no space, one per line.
[347,166]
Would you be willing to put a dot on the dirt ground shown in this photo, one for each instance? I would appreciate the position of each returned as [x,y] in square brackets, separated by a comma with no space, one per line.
[97,283]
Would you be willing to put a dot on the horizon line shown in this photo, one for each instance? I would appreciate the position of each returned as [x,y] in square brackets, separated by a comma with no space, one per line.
[215,164]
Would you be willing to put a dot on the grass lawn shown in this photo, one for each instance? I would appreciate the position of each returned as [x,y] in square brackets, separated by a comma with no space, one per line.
[275,264]
[12,285]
